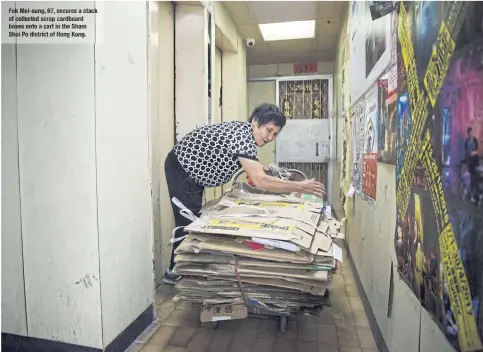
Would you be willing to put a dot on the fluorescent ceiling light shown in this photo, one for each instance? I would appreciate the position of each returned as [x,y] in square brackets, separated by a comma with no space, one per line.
[287,30]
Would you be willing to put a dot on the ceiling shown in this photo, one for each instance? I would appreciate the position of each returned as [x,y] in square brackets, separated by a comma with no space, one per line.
[328,16]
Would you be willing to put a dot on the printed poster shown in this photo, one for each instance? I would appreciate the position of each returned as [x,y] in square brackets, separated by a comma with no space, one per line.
[345,171]
[369,173]
[370,47]
[387,103]
[439,164]
[358,119]
[344,146]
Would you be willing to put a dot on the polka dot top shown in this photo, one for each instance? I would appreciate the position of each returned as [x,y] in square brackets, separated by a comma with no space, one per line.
[209,154]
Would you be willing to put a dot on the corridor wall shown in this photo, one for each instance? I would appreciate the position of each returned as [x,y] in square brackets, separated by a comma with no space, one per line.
[161,76]
[287,69]
[76,218]
[406,318]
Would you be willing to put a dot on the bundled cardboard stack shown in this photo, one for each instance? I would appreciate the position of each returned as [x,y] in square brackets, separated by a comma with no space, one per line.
[268,253]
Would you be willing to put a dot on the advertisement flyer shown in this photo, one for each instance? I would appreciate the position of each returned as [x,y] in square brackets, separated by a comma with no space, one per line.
[371,144]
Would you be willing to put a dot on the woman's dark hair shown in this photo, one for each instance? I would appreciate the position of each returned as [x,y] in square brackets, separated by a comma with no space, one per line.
[266,113]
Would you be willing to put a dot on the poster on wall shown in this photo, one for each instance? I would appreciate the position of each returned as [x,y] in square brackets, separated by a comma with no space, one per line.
[370,47]
[369,168]
[343,173]
[387,103]
[358,123]
[346,124]
[439,164]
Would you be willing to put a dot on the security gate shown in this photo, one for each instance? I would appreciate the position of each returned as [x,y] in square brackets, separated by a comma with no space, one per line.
[305,143]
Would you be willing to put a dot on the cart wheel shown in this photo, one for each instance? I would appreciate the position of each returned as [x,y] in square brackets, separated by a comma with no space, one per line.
[283,324]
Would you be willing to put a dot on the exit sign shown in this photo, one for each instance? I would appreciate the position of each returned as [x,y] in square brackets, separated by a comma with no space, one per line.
[305,67]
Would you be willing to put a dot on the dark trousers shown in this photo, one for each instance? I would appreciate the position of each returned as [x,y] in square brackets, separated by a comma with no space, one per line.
[188,192]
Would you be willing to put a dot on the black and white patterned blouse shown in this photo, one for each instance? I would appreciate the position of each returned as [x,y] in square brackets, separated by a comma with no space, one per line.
[209,154]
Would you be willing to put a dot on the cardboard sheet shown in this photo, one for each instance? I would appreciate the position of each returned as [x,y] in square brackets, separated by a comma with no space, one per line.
[286,268]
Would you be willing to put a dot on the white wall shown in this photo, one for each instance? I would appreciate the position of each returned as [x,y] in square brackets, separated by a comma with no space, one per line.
[84,183]
[191,62]
[263,92]
[14,318]
[279,70]
[57,152]
[162,128]
[124,192]
[155,123]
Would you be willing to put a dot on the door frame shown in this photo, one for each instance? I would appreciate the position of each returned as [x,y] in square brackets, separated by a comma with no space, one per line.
[332,134]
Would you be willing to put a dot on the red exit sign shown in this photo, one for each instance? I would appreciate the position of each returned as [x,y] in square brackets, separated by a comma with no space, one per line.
[305,67]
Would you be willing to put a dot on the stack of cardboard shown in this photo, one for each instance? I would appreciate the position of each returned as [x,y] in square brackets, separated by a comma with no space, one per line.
[266,252]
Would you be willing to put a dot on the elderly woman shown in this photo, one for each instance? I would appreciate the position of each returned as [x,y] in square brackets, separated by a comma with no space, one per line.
[210,155]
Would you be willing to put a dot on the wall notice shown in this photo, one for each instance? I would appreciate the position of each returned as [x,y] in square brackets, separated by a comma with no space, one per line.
[370,47]
[371,144]
[43,22]
[387,103]
[358,118]
[439,164]
[343,94]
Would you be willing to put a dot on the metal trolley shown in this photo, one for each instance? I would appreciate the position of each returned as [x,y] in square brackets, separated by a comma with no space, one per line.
[274,170]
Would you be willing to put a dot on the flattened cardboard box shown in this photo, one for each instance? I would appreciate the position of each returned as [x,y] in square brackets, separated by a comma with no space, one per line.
[203,243]
[247,262]
[209,269]
[221,312]
[309,213]
[253,197]
[299,232]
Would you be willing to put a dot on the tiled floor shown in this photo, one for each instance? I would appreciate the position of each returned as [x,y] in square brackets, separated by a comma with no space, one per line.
[341,328]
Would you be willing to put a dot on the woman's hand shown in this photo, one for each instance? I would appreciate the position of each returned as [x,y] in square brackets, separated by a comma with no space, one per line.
[313,187]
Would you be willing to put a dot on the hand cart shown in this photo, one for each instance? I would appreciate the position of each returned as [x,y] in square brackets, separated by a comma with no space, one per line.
[255,310]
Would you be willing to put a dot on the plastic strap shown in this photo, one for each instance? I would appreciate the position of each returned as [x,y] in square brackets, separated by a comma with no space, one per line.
[186,213]
[238,280]
[179,239]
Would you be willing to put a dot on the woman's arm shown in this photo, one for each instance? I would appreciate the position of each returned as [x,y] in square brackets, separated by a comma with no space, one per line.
[256,173]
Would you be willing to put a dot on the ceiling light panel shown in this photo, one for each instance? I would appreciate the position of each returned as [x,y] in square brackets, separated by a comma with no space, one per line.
[287,30]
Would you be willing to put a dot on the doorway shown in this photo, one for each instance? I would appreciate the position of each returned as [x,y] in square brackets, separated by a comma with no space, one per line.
[215,193]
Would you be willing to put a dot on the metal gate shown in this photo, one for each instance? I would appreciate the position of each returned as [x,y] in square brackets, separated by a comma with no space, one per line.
[306,143]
